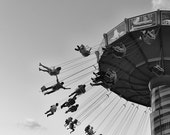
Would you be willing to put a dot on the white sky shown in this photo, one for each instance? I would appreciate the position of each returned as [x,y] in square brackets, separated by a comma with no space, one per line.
[47,31]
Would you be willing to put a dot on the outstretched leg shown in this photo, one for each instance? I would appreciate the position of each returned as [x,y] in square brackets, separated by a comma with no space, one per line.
[64,105]
[48,111]
[98,79]
[95,84]
[49,92]
[45,89]
[75,95]
[78,48]
[44,66]
[72,94]
[95,74]
[72,130]
[67,111]
[43,70]
[50,114]
[66,124]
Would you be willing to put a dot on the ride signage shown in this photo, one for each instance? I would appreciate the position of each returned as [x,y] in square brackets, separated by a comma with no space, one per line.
[116,32]
[142,21]
[165,17]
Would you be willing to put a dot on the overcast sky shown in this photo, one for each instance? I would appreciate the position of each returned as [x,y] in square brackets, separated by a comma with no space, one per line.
[47,31]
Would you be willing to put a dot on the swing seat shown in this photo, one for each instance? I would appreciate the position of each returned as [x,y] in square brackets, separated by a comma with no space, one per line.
[85,53]
[110,76]
[149,36]
[119,51]
[85,50]
[157,70]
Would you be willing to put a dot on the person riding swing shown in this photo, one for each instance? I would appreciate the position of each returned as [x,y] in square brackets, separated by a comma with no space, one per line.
[55,87]
[83,50]
[80,90]
[53,71]
[52,110]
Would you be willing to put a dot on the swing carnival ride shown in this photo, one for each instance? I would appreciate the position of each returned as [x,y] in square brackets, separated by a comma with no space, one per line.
[133,64]
[142,65]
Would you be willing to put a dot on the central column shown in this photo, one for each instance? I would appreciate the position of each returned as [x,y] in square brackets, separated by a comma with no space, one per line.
[160,104]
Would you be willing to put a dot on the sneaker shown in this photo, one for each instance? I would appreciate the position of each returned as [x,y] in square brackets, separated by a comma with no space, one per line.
[95,74]
[91,84]
[43,88]
[92,79]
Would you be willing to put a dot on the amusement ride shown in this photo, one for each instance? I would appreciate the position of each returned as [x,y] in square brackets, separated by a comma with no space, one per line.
[130,68]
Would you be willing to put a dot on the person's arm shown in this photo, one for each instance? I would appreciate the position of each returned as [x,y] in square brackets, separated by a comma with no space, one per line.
[66,88]
[57,79]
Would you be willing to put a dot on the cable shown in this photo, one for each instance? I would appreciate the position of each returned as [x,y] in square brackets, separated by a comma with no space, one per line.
[81,114]
[76,65]
[92,105]
[78,72]
[114,118]
[69,61]
[85,104]
[102,110]
[95,107]
[140,123]
[79,78]
[123,120]
[91,98]
[108,113]
[146,125]
[143,123]
[130,121]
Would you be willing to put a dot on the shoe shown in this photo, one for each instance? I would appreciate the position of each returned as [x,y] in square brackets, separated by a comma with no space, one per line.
[39,69]
[40,64]
[43,88]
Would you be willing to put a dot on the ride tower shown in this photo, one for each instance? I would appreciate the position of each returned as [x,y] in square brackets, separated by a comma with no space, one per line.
[138,51]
